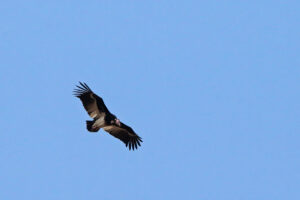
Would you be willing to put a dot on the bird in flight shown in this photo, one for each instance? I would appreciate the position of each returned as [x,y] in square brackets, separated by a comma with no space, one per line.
[95,107]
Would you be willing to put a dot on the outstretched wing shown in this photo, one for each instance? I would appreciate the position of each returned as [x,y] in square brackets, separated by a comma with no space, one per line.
[125,134]
[92,103]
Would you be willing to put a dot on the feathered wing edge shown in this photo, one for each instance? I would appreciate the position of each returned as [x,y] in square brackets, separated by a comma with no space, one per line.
[84,89]
[134,142]
[125,134]
[81,89]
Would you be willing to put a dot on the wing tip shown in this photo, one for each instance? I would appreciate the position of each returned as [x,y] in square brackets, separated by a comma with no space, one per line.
[134,143]
[81,89]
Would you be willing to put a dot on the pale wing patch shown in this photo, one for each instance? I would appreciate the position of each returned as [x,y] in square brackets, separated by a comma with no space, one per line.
[108,128]
[93,114]
[92,108]
[100,122]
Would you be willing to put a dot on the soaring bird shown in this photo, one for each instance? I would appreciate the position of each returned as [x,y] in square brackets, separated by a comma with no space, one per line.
[103,118]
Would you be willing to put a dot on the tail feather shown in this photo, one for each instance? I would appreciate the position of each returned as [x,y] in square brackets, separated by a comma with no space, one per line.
[89,126]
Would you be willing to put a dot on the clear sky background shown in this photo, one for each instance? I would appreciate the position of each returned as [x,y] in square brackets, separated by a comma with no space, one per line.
[212,88]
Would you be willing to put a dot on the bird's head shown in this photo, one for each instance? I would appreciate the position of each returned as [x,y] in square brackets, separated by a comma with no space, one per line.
[112,120]
[116,121]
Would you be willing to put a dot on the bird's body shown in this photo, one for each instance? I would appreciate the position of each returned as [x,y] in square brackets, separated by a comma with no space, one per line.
[103,118]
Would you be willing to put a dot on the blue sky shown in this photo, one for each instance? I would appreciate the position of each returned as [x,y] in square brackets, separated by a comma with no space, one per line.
[212,88]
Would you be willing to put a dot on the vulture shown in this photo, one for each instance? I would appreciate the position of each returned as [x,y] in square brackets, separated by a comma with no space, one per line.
[103,118]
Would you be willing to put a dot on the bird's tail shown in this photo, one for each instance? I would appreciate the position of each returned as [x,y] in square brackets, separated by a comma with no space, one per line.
[89,126]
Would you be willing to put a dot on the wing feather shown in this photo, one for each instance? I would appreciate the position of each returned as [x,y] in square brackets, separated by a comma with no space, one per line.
[93,104]
[125,134]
